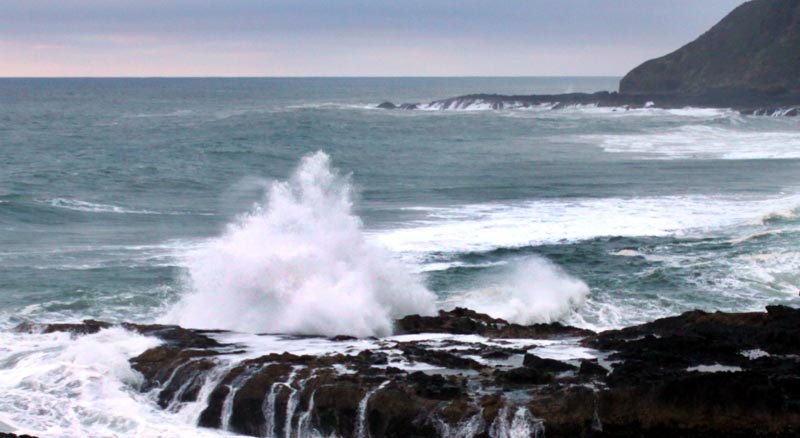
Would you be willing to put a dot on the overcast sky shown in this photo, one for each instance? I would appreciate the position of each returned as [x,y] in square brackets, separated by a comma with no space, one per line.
[344,37]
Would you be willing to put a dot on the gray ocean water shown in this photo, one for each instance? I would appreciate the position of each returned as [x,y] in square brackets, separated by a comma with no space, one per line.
[294,205]
[106,183]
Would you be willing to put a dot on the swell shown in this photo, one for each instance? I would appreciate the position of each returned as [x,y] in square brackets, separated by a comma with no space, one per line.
[59,210]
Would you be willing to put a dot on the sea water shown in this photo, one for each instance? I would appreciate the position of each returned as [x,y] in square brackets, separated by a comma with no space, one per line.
[295,206]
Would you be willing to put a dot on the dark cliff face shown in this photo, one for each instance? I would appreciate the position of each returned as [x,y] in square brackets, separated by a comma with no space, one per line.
[753,50]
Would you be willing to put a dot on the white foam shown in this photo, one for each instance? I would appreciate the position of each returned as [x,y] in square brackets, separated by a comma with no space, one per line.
[54,385]
[627,253]
[94,207]
[702,141]
[531,291]
[300,264]
[483,227]
[754,354]
[715,368]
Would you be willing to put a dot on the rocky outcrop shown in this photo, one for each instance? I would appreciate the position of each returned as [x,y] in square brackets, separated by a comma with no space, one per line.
[465,374]
[462,321]
[749,61]
[748,103]
[753,51]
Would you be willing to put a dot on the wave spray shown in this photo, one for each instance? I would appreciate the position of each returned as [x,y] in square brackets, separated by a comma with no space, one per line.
[299,263]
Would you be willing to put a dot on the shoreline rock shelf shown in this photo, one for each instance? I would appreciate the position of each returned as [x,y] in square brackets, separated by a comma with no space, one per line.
[464,374]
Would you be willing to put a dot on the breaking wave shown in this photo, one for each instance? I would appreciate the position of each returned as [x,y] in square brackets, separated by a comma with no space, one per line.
[709,142]
[532,290]
[299,263]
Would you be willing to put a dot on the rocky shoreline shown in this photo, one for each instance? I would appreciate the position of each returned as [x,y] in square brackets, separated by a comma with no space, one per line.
[464,374]
[743,102]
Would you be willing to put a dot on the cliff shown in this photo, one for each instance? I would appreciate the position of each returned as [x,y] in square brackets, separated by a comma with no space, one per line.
[754,50]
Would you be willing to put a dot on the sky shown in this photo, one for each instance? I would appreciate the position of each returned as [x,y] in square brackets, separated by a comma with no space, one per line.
[136,38]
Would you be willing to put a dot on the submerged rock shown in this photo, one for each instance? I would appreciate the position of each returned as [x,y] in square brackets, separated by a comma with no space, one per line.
[465,374]
[402,106]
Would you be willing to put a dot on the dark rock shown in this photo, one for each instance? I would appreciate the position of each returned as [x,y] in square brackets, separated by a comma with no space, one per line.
[402,106]
[590,368]
[434,386]
[88,326]
[546,365]
[753,50]
[468,322]
[172,334]
[525,376]
[659,386]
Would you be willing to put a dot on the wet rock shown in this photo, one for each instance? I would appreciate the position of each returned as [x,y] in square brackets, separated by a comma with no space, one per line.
[87,327]
[546,365]
[408,106]
[435,386]
[698,374]
[591,368]
[469,322]
[402,106]
[525,376]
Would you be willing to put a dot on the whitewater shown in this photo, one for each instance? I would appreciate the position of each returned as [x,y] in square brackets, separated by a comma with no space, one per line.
[295,206]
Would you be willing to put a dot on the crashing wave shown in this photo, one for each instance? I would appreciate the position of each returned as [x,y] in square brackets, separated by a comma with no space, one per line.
[299,263]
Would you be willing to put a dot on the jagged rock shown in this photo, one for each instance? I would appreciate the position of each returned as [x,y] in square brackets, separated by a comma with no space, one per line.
[525,376]
[435,386]
[698,374]
[468,322]
[402,106]
[591,368]
[546,365]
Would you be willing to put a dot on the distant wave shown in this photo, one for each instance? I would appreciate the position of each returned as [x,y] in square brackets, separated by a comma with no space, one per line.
[486,227]
[78,205]
[471,105]
[695,141]
[93,207]
[334,105]
[176,113]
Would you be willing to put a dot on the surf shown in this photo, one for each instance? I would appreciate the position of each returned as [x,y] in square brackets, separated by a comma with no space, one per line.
[299,263]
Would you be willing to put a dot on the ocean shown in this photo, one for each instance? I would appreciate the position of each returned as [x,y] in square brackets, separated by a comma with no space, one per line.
[296,206]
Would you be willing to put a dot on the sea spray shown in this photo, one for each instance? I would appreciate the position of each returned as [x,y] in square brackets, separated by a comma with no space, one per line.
[233,388]
[467,428]
[304,423]
[362,426]
[268,407]
[521,425]
[530,290]
[299,263]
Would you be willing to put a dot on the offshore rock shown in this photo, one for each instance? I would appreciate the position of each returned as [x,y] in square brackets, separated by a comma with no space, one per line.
[465,374]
